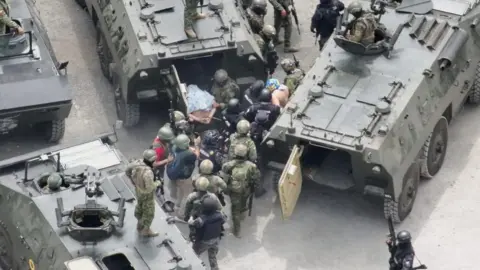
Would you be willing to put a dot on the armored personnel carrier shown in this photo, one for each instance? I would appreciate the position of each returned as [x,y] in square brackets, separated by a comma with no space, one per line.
[146,54]
[33,84]
[85,219]
[375,118]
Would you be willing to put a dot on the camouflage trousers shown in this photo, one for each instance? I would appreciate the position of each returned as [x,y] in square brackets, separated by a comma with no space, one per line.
[239,206]
[189,13]
[286,23]
[145,210]
[211,246]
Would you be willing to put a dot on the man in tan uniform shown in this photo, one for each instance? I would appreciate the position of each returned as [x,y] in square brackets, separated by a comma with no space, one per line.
[364,25]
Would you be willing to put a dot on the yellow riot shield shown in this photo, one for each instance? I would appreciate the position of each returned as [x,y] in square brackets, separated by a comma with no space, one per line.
[290,183]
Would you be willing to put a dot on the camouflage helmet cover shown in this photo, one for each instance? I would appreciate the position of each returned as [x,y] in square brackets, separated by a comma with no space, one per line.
[202,184]
[240,150]
[288,64]
[149,155]
[54,181]
[206,167]
[259,5]
[355,8]
[243,127]
[165,133]
[269,31]
[178,116]
[221,76]
[182,141]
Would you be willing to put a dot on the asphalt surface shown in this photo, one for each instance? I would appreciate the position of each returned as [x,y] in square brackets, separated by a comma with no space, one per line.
[328,230]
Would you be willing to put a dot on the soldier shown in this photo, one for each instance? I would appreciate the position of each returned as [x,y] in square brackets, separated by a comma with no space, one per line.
[265,38]
[264,109]
[208,231]
[280,92]
[179,124]
[141,174]
[194,200]
[256,15]
[5,20]
[362,29]
[190,15]
[224,88]
[217,185]
[209,149]
[324,20]
[161,147]
[282,18]
[54,182]
[251,94]
[294,74]
[402,252]
[242,176]
[232,115]
[242,137]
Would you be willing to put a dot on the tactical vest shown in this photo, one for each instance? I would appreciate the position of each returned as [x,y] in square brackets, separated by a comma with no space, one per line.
[212,227]
[370,24]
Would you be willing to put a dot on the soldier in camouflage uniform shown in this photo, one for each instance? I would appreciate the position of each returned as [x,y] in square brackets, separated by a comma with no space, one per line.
[241,175]
[141,174]
[256,15]
[264,41]
[282,18]
[242,137]
[224,88]
[294,74]
[194,200]
[5,19]
[190,15]
[217,185]
[362,29]
[54,182]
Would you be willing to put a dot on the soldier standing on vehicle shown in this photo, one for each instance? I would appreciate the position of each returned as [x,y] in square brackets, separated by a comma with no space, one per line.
[161,147]
[294,74]
[402,252]
[180,169]
[224,88]
[190,15]
[324,20]
[264,41]
[141,174]
[362,29]
[5,19]
[282,18]
[256,15]
[208,228]
[243,177]
[242,137]
[216,183]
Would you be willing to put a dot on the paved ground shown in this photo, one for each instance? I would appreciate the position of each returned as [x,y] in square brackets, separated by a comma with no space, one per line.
[328,230]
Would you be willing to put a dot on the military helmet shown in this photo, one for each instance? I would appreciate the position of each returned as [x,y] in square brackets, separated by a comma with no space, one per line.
[240,150]
[182,141]
[404,237]
[355,8]
[209,204]
[210,137]
[259,5]
[178,116]
[165,133]
[149,155]
[206,167]
[221,76]
[288,64]
[269,31]
[201,184]
[243,127]
[233,106]
[256,88]
[265,96]
[54,181]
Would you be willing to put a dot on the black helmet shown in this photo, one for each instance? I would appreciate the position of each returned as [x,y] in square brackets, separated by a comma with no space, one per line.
[261,118]
[211,137]
[233,106]
[325,2]
[256,88]
[404,237]
[265,96]
[209,205]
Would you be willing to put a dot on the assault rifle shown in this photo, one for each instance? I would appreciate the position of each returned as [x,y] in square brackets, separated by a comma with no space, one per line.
[158,177]
[297,63]
[295,16]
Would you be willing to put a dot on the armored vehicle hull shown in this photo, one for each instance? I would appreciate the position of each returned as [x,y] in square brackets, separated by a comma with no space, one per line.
[375,119]
[86,224]
[147,56]
[33,84]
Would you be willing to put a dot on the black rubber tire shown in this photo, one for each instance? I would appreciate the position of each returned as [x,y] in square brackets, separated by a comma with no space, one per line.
[398,210]
[53,131]
[104,55]
[474,96]
[81,3]
[128,113]
[434,150]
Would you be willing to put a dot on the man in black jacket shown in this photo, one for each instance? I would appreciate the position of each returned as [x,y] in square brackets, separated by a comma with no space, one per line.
[324,19]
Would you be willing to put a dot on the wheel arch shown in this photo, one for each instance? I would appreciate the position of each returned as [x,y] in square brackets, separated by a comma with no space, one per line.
[448,113]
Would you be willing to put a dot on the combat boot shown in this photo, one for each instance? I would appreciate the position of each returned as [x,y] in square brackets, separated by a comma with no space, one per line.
[148,232]
[277,41]
[200,16]
[190,33]
[290,49]
[139,226]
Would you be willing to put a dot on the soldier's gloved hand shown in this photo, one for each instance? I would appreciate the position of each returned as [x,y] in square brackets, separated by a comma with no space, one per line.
[283,13]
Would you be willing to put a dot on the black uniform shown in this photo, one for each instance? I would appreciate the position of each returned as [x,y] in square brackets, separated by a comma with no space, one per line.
[209,149]
[402,253]
[250,96]
[324,19]
[263,110]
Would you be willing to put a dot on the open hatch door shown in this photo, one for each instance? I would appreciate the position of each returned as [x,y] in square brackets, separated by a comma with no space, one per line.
[180,102]
[290,183]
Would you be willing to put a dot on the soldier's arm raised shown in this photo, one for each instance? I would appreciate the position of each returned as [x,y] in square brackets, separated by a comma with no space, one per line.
[276,5]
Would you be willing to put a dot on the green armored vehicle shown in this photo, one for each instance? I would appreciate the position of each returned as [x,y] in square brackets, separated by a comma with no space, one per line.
[34,88]
[73,208]
[375,118]
[145,53]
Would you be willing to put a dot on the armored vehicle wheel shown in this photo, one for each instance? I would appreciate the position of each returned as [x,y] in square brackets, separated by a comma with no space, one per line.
[53,131]
[104,55]
[81,3]
[434,149]
[400,208]
[474,96]
[6,249]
